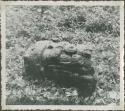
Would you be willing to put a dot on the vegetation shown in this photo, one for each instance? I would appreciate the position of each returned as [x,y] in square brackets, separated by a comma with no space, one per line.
[97,27]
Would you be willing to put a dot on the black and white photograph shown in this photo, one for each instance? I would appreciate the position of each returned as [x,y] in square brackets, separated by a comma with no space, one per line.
[62,55]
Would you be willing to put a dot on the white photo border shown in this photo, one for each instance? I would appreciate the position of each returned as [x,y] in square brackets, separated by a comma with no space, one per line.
[61,107]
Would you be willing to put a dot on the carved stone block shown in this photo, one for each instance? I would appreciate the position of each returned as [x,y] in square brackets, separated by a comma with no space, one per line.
[62,62]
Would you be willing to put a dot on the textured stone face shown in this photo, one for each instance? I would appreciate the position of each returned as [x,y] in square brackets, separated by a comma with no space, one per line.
[65,63]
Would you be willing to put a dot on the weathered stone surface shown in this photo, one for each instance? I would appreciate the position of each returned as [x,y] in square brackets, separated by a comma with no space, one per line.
[65,63]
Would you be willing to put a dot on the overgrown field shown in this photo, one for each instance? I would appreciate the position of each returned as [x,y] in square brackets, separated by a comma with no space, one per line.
[97,27]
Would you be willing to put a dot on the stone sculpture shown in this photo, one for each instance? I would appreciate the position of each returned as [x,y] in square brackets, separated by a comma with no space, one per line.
[62,62]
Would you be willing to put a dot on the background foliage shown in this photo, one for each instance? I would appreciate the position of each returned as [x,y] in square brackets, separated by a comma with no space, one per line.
[96,27]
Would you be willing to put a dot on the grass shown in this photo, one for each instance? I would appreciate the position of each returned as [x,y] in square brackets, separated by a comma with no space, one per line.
[97,28]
